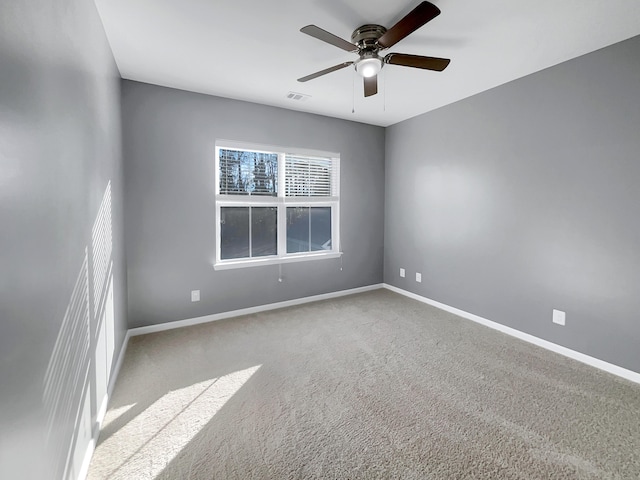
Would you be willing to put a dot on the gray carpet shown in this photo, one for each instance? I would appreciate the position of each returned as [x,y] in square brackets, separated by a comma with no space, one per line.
[373,385]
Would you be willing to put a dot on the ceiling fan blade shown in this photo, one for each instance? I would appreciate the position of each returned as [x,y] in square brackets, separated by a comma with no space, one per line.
[330,38]
[325,71]
[417,61]
[370,85]
[423,13]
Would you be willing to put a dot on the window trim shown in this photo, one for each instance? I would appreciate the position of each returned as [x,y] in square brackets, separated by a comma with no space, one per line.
[279,201]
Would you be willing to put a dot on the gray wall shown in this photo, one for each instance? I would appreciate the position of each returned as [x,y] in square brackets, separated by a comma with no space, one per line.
[524,199]
[59,152]
[169,138]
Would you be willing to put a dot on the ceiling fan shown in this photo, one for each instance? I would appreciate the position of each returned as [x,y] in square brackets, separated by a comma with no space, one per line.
[368,40]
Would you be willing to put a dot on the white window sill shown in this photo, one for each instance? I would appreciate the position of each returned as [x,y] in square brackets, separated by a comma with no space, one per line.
[258,262]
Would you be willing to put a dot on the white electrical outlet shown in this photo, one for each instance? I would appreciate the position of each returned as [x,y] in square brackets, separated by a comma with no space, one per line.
[418,277]
[559,317]
[402,272]
[195,295]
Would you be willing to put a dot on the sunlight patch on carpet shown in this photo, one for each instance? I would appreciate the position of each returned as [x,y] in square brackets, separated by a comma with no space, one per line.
[149,442]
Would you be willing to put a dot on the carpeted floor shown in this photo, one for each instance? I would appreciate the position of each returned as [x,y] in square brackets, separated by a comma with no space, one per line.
[368,386]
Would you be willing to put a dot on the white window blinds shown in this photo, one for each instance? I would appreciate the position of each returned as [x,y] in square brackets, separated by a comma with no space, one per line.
[311,176]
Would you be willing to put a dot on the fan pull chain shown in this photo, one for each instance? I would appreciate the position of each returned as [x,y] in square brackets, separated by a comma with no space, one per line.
[340,262]
[353,95]
[280,272]
[384,92]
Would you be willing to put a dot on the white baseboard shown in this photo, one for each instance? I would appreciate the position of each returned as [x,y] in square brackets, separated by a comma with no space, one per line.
[567,352]
[247,311]
[84,469]
[118,365]
[102,411]
[86,461]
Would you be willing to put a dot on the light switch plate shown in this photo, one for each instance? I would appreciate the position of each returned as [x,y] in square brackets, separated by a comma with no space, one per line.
[418,277]
[195,295]
[402,272]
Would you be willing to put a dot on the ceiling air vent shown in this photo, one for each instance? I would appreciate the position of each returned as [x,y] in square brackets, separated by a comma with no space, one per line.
[300,97]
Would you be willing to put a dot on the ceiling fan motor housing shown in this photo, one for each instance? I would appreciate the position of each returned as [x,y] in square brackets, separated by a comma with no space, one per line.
[366,37]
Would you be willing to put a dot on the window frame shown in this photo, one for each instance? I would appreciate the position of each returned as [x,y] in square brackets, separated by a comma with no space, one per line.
[281,202]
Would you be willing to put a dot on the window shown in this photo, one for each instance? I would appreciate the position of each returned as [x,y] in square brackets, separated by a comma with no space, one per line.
[275,205]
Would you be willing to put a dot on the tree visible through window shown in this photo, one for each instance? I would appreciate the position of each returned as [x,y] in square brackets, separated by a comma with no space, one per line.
[248,173]
[275,204]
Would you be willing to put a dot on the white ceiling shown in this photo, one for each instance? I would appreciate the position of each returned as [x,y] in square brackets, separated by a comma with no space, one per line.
[253,50]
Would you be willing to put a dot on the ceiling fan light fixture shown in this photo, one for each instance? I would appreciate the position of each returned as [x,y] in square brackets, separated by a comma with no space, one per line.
[369,67]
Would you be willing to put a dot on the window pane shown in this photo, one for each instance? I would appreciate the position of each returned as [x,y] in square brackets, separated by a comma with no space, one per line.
[297,229]
[320,228]
[234,232]
[248,173]
[264,223]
